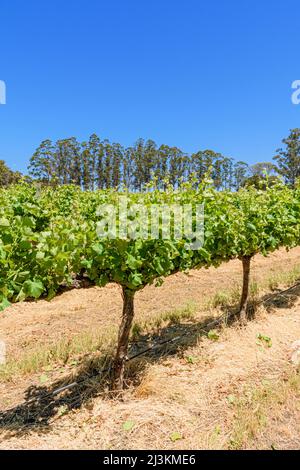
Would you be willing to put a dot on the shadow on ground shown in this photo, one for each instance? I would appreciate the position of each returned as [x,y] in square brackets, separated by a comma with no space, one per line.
[282,298]
[277,299]
[41,404]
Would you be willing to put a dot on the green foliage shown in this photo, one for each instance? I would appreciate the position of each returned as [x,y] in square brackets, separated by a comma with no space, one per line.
[213,335]
[44,378]
[191,359]
[264,340]
[128,425]
[175,436]
[49,239]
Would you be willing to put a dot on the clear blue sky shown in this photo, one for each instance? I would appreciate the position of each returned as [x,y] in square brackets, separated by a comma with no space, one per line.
[196,74]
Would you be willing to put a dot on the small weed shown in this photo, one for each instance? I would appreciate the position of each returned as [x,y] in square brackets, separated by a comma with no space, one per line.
[128,425]
[213,335]
[175,436]
[191,359]
[264,340]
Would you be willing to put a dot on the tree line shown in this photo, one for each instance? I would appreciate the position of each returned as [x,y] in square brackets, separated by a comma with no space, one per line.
[103,165]
[100,164]
[8,176]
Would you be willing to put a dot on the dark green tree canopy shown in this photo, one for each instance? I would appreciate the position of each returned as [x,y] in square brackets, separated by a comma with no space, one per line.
[7,176]
[100,164]
[288,157]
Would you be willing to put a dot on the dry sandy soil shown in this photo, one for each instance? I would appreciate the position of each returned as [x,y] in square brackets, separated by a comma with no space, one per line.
[238,391]
[24,325]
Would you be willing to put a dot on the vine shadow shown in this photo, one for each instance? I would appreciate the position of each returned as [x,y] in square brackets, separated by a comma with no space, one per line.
[41,405]
[278,299]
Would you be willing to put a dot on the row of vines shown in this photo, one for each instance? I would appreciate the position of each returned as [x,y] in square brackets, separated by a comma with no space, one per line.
[48,241]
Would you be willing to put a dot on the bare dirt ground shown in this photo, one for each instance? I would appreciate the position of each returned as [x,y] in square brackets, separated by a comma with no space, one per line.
[236,392]
[26,324]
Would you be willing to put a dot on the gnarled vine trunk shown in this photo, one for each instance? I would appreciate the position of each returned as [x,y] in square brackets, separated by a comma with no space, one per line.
[246,261]
[123,339]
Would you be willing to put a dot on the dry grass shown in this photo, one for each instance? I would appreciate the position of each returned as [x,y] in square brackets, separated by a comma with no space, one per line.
[231,297]
[68,350]
[225,391]
[224,394]
[173,317]
[283,278]
[24,326]
[256,409]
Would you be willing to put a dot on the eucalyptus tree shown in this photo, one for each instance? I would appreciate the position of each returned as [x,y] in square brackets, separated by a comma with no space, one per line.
[8,176]
[240,172]
[177,166]
[263,169]
[87,175]
[107,160]
[138,155]
[162,165]
[128,168]
[75,162]
[42,165]
[67,160]
[117,160]
[288,158]
[95,155]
